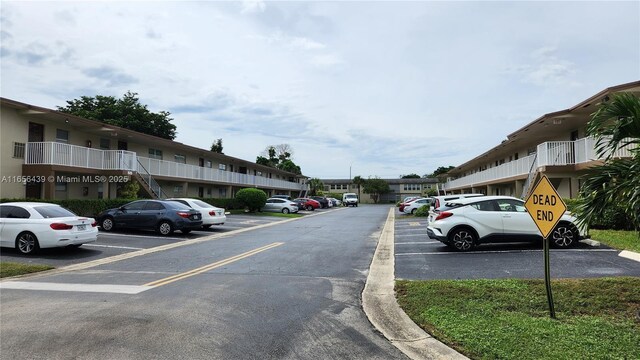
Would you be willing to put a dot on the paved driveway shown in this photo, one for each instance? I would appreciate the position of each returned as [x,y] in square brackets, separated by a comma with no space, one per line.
[419,257]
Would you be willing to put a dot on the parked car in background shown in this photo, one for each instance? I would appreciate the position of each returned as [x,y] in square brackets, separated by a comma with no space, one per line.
[466,223]
[416,204]
[335,201]
[407,201]
[282,196]
[280,205]
[306,204]
[211,215]
[350,199]
[160,215]
[322,200]
[30,226]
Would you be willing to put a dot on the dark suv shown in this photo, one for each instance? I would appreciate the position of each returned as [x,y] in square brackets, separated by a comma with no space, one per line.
[324,203]
[162,216]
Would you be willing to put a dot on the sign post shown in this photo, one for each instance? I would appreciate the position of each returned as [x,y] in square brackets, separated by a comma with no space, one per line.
[545,206]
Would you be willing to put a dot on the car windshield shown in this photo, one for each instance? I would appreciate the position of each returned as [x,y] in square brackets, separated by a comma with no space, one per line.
[49,212]
[350,196]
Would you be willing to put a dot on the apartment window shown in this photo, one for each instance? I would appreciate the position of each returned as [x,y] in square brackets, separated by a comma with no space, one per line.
[105,144]
[18,150]
[62,136]
[412,187]
[182,159]
[222,167]
[61,186]
[515,156]
[501,161]
[177,189]
[222,192]
[531,151]
[207,164]
[155,154]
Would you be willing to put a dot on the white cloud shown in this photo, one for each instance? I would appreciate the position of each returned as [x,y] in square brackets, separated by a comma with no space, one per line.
[390,87]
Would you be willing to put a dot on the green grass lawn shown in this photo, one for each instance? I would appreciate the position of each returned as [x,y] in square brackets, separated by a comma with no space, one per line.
[509,319]
[619,239]
[13,269]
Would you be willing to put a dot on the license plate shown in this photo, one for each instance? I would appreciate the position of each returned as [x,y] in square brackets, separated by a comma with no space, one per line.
[82,227]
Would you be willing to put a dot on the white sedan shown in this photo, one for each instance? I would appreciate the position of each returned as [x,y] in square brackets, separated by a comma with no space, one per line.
[29,226]
[413,206]
[211,215]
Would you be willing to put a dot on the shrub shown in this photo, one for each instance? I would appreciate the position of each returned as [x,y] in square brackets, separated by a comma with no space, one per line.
[227,204]
[423,210]
[614,217]
[252,199]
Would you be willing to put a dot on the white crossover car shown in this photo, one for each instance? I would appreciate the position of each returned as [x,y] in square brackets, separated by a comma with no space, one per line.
[413,206]
[211,215]
[29,226]
[464,223]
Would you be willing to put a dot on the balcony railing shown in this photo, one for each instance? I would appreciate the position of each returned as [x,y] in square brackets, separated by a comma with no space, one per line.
[552,153]
[53,153]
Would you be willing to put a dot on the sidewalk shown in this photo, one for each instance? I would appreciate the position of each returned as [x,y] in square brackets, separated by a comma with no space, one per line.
[382,309]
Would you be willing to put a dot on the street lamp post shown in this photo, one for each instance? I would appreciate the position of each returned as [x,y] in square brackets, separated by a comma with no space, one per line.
[349,184]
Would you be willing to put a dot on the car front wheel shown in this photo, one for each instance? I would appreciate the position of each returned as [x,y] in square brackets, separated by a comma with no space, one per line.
[463,239]
[564,236]
[165,228]
[27,243]
[107,224]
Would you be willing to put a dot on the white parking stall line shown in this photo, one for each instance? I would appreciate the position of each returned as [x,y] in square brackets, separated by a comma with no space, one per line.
[396,235]
[97,288]
[502,251]
[142,236]
[114,246]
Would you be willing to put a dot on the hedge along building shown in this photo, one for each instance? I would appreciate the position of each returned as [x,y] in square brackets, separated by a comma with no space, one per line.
[399,188]
[53,155]
[555,144]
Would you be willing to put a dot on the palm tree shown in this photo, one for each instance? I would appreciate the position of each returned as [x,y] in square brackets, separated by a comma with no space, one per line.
[358,181]
[616,183]
[316,185]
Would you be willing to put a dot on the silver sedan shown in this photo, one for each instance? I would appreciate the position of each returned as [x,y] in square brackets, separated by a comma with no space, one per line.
[280,205]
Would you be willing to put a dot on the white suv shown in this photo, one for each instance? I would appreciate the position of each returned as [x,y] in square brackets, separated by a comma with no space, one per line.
[464,223]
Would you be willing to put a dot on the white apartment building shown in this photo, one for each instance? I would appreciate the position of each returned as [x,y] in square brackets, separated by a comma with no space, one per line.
[53,155]
[555,144]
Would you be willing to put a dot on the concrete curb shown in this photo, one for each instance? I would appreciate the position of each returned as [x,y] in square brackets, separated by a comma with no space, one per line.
[630,255]
[382,309]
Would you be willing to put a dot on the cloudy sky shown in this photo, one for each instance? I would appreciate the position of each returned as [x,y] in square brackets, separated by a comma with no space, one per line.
[383,88]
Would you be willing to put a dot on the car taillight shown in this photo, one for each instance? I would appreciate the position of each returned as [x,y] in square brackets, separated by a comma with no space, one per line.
[94,224]
[60,226]
[183,214]
[443,215]
[212,213]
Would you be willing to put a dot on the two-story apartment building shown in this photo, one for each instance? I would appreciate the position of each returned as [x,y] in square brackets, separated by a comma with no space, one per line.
[555,144]
[400,188]
[53,155]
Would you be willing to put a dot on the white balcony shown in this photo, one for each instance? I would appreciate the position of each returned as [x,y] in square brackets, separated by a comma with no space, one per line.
[53,153]
[552,153]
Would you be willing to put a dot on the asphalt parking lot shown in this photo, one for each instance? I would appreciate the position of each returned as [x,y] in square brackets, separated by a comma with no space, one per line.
[417,257]
[125,241]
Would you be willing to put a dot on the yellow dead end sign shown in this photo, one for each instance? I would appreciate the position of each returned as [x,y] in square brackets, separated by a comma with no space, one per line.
[545,206]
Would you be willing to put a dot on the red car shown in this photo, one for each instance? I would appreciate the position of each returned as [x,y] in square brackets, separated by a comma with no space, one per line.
[307,204]
[402,205]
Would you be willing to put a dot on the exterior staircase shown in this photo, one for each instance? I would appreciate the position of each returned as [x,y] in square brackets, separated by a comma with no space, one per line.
[148,183]
[532,178]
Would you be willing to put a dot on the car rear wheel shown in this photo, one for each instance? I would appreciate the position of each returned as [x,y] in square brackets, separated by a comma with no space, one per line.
[463,239]
[413,211]
[285,211]
[165,228]
[564,236]
[309,208]
[27,243]
[107,224]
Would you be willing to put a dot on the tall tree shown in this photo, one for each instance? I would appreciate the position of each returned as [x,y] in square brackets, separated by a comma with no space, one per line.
[439,171]
[279,156]
[126,112]
[616,124]
[376,187]
[358,181]
[216,147]
[410,176]
[316,186]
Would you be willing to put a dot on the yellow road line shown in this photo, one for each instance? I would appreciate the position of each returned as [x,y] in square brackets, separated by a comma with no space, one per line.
[212,266]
